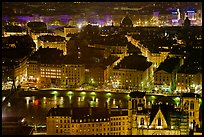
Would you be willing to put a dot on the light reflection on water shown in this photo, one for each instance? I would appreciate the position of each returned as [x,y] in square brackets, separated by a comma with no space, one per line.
[35,108]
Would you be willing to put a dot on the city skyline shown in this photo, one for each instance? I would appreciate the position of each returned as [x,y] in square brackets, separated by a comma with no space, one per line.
[129,69]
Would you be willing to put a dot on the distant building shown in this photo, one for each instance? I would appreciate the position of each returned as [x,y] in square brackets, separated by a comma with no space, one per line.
[126,22]
[13,30]
[71,30]
[132,72]
[187,22]
[165,75]
[51,41]
[189,79]
[50,67]
[36,26]
[14,63]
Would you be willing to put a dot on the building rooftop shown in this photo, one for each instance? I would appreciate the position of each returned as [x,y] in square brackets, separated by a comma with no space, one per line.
[80,112]
[169,65]
[119,112]
[13,29]
[37,25]
[51,38]
[193,95]
[134,61]
[189,69]
[165,109]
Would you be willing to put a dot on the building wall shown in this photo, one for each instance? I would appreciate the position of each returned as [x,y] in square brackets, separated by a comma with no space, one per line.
[71,30]
[191,105]
[127,78]
[21,69]
[58,45]
[185,82]
[33,71]
[50,74]
[162,80]
[65,125]
[119,125]
[97,75]
[72,75]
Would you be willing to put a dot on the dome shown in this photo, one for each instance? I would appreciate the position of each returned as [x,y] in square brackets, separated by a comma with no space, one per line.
[126,22]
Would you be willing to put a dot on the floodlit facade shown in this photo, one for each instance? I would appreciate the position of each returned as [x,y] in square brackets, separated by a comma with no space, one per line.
[189,82]
[72,74]
[191,103]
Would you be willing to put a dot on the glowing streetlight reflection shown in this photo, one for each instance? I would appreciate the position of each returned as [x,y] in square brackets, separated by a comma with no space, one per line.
[70,93]
[93,94]
[54,92]
[177,100]
[113,101]
[108,94]
[3,99]
[27,100]
[83,93]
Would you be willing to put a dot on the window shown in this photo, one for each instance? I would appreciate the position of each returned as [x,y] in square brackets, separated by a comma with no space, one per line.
[159,121]
[142,121]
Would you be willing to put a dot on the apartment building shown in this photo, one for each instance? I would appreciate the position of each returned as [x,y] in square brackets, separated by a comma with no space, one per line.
[189,79]
[86,121]
[50,67]
[52,41]
[132,73]
[165,75]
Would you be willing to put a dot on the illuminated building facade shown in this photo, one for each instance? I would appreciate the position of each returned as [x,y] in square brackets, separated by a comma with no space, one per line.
[189,82]
[71,30]
[32,70]
[86,121]
[160,119]
[190,102]
[130,74]
[165,75]
[50,67]
[72,75]
[50,74]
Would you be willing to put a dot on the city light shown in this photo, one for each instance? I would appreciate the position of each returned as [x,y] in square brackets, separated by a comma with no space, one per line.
[54,92]
[83,93]
[70,93]
[177,100]
[93,93]
[87,68]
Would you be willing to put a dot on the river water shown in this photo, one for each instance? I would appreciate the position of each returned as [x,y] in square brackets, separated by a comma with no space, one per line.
[35,105]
